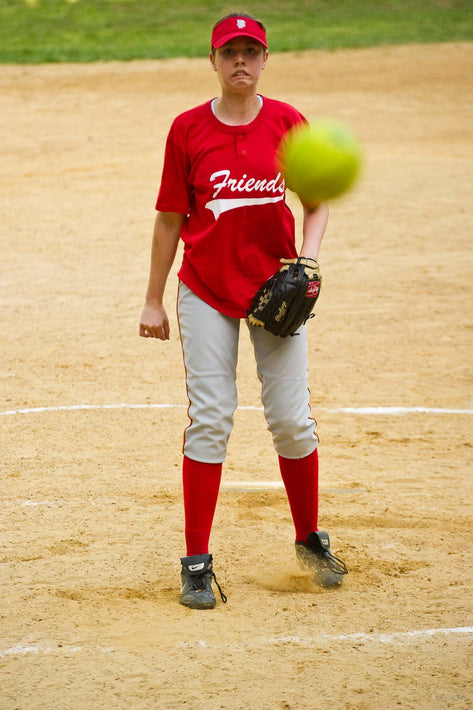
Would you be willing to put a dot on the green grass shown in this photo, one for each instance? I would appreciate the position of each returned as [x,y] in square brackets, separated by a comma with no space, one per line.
[35,31]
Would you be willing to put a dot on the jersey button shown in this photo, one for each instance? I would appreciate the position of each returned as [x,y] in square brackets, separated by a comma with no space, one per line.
[243,152]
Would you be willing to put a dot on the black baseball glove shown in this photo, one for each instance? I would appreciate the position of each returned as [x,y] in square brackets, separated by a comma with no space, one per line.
[286,300]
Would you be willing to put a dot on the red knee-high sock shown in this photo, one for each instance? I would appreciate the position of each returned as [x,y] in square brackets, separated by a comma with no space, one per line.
[301,480]
[201,483]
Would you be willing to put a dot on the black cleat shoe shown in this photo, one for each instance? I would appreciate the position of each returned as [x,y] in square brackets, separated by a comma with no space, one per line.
[196,582]
[314,555]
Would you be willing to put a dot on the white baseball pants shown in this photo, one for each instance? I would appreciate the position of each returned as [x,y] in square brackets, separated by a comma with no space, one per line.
[210,349]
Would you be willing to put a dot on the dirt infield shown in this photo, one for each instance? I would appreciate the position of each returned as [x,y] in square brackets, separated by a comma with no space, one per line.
[91,518]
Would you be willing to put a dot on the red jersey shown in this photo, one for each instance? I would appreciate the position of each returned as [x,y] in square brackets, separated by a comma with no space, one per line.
[225,180]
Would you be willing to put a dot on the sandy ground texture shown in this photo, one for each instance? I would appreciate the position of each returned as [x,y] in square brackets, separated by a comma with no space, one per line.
[91,517]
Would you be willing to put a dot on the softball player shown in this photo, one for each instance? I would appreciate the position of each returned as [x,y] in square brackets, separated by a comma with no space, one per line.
[223,196]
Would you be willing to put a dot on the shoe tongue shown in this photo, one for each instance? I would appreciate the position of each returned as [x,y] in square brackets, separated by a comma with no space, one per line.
[197,564]
[320,540]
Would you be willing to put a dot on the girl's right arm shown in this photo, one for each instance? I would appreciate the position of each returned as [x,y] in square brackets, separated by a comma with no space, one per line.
[154,322]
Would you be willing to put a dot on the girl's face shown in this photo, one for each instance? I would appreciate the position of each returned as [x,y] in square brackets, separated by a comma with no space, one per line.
[239,64]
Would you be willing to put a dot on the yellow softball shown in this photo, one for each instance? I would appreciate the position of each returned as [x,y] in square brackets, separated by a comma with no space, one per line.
[320,161]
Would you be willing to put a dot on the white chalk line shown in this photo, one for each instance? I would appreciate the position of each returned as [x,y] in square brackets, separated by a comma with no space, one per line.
[238,486]
[78,407]
[20,649]
[277,485]
[25,649]
[388,411]
[358,637]
[397,411]
[58,503]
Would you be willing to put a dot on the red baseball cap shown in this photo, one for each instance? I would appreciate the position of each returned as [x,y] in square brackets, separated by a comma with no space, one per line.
[238,27]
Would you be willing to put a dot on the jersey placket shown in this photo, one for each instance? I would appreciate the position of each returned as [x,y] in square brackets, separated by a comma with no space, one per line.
[241,146]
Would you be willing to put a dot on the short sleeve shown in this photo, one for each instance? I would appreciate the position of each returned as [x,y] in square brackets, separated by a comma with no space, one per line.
[175,192]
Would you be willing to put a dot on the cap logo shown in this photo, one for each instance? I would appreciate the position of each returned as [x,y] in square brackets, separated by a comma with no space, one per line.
[233,27]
